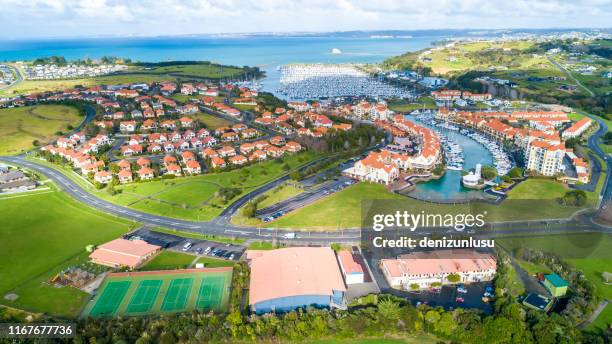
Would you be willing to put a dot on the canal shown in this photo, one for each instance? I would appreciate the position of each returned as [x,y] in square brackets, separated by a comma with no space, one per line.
[449,188]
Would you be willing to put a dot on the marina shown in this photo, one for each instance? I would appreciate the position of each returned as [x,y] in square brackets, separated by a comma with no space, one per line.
[462,152]
[320,81]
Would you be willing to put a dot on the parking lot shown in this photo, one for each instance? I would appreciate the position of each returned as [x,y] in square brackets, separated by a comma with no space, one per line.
[189,245]
[324,189]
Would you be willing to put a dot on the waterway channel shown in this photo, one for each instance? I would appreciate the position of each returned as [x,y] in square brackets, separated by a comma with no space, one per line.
[449,188]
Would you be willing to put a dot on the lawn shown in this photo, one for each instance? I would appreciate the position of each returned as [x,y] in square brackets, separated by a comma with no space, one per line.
[343,209]
[536,188]
[279,194]
[404,106]
[210,121]
[194,198]
[19,127]
[262,245]
[207,71]
[603,321]
[41,235]
[214,262]
[340,210]
[169,260]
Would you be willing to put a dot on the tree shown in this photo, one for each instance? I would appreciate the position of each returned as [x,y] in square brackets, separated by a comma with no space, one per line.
[446,325]
[414,286]
[575,198]
[516,173]
[389,309]
[453,278]
[296,175]
[249,209]
[488,172]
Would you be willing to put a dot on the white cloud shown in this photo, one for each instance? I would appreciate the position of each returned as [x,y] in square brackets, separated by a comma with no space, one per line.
[39,18]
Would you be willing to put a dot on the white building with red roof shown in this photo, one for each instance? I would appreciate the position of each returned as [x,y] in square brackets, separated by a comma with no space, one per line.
[577,128]
[124,253]
[425,268]
[352,270]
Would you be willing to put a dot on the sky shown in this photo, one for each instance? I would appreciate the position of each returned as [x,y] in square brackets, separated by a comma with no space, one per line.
[74,18]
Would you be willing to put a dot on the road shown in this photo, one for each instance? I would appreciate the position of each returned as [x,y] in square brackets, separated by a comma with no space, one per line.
[568,73]
[221,225]
[306,198]
[19,78]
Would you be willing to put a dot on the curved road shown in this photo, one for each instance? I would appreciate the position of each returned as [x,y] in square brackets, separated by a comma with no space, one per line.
[18,78]
[221,225]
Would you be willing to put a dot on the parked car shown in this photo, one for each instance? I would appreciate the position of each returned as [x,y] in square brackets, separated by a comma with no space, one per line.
[459,299]
[186,247]
[199,250]
[207,250]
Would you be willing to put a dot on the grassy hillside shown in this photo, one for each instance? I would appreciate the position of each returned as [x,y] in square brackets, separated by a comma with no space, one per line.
[19,127]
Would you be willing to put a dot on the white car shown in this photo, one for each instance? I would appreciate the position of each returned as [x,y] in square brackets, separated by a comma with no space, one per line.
[186,247]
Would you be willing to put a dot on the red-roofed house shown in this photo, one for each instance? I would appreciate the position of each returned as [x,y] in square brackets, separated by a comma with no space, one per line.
[125,176]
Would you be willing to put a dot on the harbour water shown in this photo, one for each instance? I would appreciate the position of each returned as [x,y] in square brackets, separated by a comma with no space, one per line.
[449,187]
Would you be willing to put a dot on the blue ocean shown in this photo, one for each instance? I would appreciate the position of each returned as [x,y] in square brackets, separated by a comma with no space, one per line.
[264,51]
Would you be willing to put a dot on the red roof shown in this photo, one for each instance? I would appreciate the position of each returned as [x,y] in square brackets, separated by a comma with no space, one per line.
[293,271]
[122,252]
[348,263]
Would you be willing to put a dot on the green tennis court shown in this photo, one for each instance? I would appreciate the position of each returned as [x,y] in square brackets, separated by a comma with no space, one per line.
[211,293]
[154,292]
[177,294]
[111,298]
[145,296]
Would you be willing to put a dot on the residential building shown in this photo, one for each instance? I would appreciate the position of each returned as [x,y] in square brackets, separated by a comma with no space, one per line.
[545,158]
[422,269]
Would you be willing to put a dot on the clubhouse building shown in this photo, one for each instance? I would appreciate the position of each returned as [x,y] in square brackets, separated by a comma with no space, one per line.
[124,253]
[286,279]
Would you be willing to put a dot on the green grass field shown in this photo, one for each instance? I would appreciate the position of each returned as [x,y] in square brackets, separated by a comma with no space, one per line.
[41,235]
[340,210]
[141,293]
[171,260]
[343,209]
[19,127]
[194,198]
[535,188]
[404,106]
[210,121]
[279,194]
[168,260]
